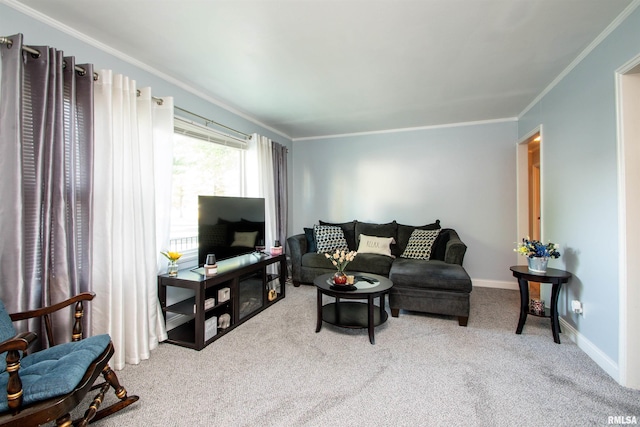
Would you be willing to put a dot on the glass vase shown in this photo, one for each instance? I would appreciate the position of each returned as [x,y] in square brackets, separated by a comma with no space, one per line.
[538,264]
[339,278]
[172,268]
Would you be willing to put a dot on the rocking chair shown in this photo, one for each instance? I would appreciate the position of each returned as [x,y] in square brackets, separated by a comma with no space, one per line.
[47,385]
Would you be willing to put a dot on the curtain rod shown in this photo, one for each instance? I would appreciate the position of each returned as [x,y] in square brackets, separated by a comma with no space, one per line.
[82,71]
[207,121]
[36,53]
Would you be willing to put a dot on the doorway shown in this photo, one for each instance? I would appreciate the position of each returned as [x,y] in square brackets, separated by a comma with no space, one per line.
[533,169]
[628,98]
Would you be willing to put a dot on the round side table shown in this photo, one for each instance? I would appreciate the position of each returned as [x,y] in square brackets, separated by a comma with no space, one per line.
[556,278]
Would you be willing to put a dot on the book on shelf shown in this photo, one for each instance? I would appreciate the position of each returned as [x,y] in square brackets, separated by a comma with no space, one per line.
[210,328]
[208,303]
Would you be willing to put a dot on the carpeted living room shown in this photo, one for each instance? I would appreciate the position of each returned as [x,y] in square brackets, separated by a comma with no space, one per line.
[270,212]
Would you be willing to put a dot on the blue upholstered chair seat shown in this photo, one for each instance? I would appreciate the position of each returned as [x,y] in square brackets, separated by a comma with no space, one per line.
[55,371]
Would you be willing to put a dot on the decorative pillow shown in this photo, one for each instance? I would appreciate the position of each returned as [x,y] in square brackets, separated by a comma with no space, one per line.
[329,238]
[375,245]
[389,229]
[311,240]
[349,230]
[404,232]
[420,243]
[244,239]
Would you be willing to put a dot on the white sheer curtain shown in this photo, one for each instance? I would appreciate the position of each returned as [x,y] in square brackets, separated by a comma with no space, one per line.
[129,131]
[260,182]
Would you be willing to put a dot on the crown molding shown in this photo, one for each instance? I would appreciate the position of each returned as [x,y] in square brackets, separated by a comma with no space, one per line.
[603,35]
[411,129]
[133,61]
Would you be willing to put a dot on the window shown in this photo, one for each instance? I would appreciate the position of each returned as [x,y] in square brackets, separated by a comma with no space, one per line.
[205,162]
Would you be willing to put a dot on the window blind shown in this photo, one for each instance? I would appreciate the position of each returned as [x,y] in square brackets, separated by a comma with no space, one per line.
[196,130]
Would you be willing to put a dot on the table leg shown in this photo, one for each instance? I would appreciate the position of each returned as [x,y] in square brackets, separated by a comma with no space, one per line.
[370,323]
[524,303]
[319,321]
[555,323]
[381,305]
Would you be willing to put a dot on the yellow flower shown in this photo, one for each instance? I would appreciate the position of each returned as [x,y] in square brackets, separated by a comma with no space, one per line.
[172,256]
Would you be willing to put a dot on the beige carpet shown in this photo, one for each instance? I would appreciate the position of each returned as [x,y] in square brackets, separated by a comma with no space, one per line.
[424,370]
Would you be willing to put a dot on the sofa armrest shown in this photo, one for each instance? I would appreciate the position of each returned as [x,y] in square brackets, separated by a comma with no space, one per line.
[297,248]
[455,249]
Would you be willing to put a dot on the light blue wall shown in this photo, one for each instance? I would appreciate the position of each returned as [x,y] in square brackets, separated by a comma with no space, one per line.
[464,176]
[579,182]
[38,33]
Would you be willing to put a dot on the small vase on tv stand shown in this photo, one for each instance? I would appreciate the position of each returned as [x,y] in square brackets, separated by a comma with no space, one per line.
[172,268]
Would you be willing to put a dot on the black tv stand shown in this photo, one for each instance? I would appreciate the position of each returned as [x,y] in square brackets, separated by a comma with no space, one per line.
[250,292]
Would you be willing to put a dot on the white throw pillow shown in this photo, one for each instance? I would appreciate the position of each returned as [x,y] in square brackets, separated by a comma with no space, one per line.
[245,239]
[375,245]
[420,243]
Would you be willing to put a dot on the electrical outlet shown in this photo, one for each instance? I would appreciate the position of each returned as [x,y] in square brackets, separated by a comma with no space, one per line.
[576,306]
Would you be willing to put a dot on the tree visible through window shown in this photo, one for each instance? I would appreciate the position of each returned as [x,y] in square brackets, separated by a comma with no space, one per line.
[200,168]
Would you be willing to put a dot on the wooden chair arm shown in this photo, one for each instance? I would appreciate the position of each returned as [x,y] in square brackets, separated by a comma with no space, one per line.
[20,342]
[45,314]
[13,347]
[85,296]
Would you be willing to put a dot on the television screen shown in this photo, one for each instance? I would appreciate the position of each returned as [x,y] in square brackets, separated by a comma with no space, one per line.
[229,226]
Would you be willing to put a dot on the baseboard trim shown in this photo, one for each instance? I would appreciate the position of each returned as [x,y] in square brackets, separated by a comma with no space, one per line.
[500,284]
[604,361]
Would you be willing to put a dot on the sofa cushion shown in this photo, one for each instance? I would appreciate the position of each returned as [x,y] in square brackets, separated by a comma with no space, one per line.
[349,229]
[420,243]
[375,245]
[404,232]
[389,229]
[365,263]
[311,240]
[429,274]
[439,248]
[371,263]
[329,238]
[315,260]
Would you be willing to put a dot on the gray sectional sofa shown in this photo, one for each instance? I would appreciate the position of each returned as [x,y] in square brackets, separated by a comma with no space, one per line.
[437,285]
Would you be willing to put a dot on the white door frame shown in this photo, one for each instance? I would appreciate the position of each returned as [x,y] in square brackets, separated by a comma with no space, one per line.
[522,186]
[628,145]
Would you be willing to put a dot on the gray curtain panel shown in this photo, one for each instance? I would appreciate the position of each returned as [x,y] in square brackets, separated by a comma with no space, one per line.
[46,168]
[280,178]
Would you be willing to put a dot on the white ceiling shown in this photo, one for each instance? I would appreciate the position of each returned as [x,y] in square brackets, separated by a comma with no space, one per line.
[310,67]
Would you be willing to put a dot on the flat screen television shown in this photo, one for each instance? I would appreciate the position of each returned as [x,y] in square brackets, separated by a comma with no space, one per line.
[229,226]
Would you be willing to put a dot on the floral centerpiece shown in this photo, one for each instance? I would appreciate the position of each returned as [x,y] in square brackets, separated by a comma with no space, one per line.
[173,258]
[340,259]
[537,253]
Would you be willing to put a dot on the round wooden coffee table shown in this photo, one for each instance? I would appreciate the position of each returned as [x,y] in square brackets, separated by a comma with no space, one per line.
[353,314]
